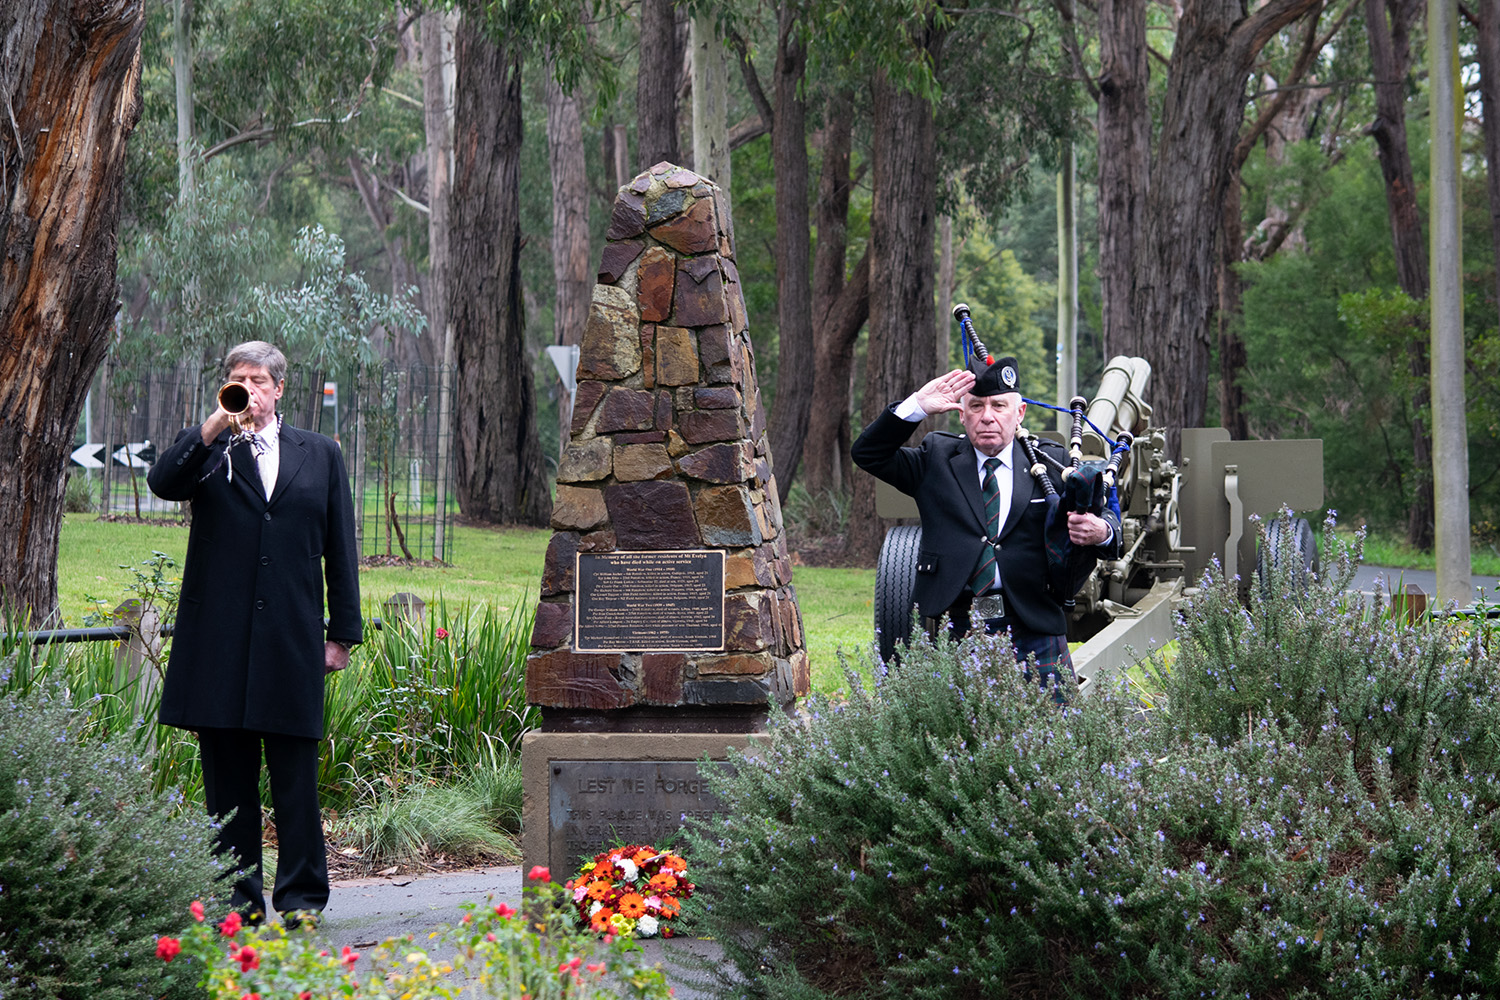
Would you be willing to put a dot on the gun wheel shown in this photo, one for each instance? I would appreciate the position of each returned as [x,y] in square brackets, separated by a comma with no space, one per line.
[895,581]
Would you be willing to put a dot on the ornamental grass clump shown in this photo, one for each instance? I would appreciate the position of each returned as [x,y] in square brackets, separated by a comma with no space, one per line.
[1309,811]
[93,865]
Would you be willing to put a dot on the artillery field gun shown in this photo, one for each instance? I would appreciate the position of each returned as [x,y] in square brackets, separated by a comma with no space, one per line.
[1174,520]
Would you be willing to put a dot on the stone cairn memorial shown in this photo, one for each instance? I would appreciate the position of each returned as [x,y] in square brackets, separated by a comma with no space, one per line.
[667,453]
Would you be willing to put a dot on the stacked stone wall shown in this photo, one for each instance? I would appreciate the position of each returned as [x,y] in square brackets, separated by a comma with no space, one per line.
[667,451]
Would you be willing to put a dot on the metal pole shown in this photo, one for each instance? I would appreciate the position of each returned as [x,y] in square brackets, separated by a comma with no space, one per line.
[1067,278]
[1450,437]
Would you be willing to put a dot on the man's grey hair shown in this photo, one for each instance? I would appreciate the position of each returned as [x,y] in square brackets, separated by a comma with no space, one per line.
[261,355]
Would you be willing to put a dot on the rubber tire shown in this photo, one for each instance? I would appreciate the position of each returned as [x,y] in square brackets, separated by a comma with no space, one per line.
[1288,543]
[895,581]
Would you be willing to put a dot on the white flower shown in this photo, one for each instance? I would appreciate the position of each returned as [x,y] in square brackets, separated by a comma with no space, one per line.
[647,926]
[595,907]
[629,868]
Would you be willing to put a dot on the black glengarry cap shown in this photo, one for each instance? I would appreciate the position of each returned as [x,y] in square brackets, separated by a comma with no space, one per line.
[995,379]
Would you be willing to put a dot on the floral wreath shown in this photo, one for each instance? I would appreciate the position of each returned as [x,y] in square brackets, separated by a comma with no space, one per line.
[631,890]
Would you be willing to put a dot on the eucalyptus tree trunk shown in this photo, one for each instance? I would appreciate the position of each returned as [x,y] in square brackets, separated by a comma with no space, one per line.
[71,82]
[1487,47]
[1124,170]
[825,452]
[1175,288]
[182,73]
[438,78]
[570,229]
[901,352]
[794,362]
[660,62]
[1390,57]
[498,460]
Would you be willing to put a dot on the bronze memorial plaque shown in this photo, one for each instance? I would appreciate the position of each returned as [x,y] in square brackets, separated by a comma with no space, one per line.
[671,602]
[597,804]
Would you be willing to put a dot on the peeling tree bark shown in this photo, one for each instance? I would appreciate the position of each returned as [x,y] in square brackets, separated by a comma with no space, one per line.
[660,64]
[70,79]
[825,453]
[1175,287]
[794,367]
[500,476]
[902,352]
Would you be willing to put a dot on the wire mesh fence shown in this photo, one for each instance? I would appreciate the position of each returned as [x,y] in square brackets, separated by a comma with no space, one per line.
[387,420]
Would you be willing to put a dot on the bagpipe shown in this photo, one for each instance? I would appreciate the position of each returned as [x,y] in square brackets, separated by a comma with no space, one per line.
[1087,486]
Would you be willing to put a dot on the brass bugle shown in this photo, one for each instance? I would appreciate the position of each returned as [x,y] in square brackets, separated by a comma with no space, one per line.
[234,398]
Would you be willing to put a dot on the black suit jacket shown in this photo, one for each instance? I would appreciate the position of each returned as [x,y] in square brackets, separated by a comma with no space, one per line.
[941,474]
[247,650]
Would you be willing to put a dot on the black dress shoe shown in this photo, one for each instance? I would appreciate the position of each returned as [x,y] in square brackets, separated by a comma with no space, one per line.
[308,920]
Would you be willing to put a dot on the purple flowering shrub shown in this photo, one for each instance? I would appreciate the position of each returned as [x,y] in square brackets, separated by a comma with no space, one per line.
[93,864]
[1309,810]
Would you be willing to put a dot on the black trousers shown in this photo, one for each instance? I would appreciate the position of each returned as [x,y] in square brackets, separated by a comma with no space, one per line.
[231,781]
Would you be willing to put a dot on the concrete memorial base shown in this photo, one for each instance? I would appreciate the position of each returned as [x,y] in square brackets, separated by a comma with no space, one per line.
[583,792]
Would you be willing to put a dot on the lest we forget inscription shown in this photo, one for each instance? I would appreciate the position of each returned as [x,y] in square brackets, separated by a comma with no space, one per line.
[594,804]
[659,601]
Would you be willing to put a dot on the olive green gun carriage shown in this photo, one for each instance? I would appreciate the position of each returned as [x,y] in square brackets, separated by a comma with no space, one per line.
[1175,520]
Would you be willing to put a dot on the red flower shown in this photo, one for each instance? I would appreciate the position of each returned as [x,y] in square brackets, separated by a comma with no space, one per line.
[442,633]
[540,873]
[231,925]
[304,995]
[504,912]
[248,959]
[349,956]
[196,908]
[250,996]
[167,948]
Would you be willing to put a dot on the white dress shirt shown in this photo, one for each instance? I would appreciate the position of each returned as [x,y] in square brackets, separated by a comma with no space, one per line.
[267,448]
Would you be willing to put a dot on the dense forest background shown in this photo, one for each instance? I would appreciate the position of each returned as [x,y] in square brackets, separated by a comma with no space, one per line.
[1250,208]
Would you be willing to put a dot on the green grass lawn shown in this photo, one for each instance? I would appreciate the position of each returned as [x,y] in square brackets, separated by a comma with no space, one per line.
[501,567]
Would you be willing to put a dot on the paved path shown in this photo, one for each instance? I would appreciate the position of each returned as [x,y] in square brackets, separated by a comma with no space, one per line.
[364,912]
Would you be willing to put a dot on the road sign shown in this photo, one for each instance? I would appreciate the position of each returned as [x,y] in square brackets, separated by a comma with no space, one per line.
[330,394]
[90,456]
[137,455]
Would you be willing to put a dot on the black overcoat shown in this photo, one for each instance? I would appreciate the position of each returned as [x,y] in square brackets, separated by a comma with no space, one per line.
[942,475]
[247,650]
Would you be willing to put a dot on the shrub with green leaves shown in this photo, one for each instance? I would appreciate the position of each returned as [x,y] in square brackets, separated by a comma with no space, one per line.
[1313,812]
[93,865]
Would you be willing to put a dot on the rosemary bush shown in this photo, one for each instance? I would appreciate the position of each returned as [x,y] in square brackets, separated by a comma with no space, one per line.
[93,865]
[1311,812]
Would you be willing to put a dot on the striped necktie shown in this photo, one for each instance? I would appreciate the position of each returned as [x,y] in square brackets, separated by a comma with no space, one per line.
[984,572]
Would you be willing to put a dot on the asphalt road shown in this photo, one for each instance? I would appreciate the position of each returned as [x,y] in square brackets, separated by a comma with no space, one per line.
[1367,577]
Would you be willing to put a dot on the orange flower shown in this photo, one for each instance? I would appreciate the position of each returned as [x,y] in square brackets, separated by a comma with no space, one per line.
[673,863]
[598,889]
[670,907]
[643,855]
[662,882]
[632,905]
[599,922]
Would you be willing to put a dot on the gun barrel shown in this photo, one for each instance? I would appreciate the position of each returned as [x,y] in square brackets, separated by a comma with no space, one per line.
[1119,405]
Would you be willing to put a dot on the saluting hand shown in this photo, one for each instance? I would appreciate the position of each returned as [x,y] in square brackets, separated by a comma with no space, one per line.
[945,393]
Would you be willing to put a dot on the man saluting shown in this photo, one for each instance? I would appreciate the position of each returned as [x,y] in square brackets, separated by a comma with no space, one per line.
[983,553]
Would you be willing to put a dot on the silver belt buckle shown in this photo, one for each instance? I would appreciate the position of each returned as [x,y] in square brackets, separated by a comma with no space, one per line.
[989,606]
